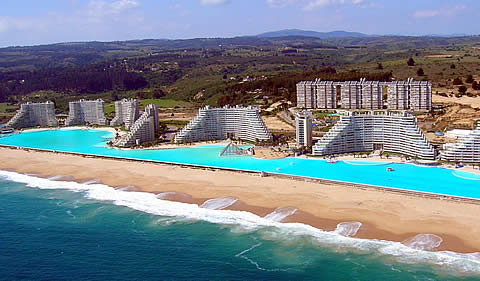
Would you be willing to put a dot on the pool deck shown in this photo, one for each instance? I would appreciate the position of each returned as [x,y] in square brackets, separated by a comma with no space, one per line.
[261,173]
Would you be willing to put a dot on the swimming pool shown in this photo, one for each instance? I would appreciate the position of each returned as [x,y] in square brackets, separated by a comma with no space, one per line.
[405,176]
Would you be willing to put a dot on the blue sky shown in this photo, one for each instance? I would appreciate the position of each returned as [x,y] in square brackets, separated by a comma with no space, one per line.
[31,22]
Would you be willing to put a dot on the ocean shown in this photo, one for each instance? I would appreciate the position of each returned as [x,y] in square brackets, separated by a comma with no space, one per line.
[60,230]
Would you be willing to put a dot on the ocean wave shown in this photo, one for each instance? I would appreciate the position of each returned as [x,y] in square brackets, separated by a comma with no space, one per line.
[150,203]
[92,181]
[426,242]
[348,229]
[219,203]
[281,213]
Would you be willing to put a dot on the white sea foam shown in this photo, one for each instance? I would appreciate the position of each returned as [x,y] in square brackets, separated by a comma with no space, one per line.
[56,177]
[219,203]
[91,181]
[164,195]
[348,229]
[128,188]
[280,214]
[426,242]
[149,203]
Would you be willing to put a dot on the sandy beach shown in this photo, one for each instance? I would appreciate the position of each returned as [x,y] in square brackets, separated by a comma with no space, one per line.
[385,215]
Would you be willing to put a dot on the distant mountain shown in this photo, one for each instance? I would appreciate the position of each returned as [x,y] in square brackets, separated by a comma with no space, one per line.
[307,33]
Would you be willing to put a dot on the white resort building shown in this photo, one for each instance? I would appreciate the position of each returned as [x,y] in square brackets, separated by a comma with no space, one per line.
[34,114]
[372,131]
[143,130]
[303,132]
[466,149]
[126,113]
[363,94]
[86,111]
[225,122]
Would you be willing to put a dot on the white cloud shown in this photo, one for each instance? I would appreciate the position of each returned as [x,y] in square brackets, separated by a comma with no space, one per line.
[281,3]
[311,5]
[213,2]
[449,11]
[101,9]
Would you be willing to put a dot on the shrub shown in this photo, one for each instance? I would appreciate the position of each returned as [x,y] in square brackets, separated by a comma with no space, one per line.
[411,62]
[469,79]
[420,72]
[457,81]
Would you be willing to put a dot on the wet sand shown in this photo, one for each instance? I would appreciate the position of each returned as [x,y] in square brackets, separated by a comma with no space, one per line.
[384,215]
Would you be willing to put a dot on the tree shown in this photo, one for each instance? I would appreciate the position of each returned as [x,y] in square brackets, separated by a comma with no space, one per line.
[462,89]
[411,62]
[158,93]
[457,81]
[420,72]
[379,66]
[469,79]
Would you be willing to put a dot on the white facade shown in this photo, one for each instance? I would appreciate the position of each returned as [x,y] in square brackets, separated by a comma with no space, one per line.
[388,132]
[126,112]
[221,123]
[467,149]
[143,130]
[86,111]
[34,114]
[401,95]
[303,132]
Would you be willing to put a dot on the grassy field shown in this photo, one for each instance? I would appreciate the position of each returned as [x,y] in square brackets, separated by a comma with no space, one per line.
[165,103]
[7,111]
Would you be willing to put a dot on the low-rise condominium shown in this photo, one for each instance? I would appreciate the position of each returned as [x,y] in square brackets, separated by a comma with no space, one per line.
[143,130]
[34,114]
[225,122]
[466,149]
[376,131]
[126,113]
[86,112]
[303,134]
[363,94]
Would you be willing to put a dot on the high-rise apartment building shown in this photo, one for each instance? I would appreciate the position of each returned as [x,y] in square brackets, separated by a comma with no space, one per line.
[467,149]
[126,112]
[382,131]
[143,130]
[303,122]
[86,111]
[402,95]
[34,114]
[225,122]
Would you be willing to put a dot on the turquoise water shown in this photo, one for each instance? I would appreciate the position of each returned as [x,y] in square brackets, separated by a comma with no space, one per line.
[59,231]
[405,176]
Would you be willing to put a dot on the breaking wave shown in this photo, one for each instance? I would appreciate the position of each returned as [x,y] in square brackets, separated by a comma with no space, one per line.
[348,229]
[425,242]
[150,203]
[219,203]
[280,214]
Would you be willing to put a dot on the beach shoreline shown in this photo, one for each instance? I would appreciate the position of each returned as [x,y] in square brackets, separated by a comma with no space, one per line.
[384,215]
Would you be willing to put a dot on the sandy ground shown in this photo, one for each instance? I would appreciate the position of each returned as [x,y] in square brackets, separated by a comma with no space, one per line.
[268,153]
[274,123]
[471,101]
[384,215]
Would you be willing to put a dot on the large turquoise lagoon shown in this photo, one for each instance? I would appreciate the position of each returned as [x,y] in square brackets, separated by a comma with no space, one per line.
[405,176]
